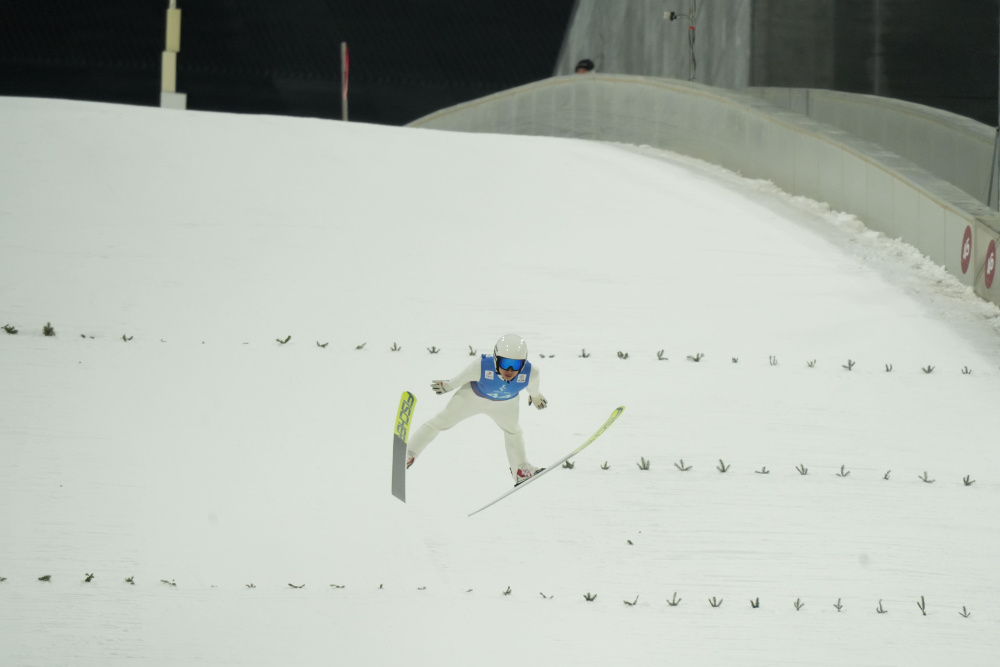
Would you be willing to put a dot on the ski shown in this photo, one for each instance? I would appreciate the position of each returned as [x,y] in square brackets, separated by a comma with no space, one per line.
[399,439]
[611,420]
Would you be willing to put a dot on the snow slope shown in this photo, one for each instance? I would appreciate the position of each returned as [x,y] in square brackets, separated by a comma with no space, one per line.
[165,435]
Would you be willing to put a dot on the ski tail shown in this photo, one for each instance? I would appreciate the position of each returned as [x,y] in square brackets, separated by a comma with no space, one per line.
[399,439]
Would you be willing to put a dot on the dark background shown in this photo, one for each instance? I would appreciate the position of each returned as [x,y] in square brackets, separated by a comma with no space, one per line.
[941,53]
[408,58]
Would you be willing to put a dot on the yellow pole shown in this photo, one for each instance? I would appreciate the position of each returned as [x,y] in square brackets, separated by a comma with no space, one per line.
[169,97]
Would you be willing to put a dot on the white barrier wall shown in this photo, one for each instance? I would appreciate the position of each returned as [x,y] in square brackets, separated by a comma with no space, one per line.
[748,135]
[952,147]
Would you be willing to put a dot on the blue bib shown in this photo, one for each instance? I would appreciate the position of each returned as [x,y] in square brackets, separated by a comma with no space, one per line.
[493,387]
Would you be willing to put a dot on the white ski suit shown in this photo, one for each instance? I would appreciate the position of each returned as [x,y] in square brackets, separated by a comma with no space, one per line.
[480,390]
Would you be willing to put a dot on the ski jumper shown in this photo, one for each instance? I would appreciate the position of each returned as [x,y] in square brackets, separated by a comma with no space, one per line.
[481,390]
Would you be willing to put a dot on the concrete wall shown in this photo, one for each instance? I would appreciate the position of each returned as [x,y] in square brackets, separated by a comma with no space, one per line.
[746,134]
[952,147]
[944,55]
[633,37]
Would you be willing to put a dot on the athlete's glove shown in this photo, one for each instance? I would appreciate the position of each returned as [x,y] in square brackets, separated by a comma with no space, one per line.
[538,400]
[440,386]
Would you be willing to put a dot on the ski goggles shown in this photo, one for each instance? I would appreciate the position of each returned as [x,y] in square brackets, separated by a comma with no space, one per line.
[510,364]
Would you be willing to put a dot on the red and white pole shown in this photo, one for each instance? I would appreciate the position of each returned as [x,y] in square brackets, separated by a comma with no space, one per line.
[343,79]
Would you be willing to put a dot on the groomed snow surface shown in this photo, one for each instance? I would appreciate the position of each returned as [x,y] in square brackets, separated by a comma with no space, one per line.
[165,435]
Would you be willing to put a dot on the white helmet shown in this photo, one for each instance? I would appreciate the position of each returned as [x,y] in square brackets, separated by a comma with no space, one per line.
[510,346]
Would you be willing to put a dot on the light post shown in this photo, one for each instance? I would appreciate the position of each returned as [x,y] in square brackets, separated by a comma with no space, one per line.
[673,16]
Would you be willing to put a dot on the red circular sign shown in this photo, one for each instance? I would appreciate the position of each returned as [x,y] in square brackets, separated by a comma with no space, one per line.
[991,263]
[966,249]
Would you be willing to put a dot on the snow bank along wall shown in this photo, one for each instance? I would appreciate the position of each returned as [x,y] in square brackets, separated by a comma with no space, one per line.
[759,140]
